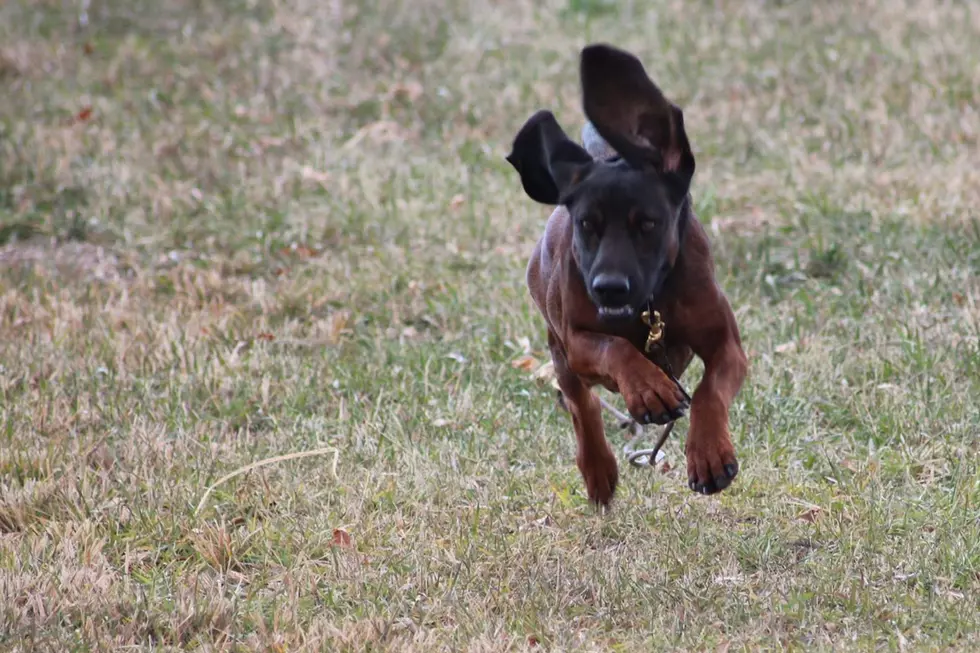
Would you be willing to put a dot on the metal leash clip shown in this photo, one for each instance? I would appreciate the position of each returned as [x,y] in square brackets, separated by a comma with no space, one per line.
[638,457]
[648,457]
[656,325]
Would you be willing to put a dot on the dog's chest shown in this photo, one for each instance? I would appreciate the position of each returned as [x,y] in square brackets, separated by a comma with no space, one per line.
[667,351]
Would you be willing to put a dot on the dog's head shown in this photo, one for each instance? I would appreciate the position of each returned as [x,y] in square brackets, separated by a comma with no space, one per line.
[626,211]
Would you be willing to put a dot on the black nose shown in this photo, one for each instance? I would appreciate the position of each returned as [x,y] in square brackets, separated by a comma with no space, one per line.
[611,289]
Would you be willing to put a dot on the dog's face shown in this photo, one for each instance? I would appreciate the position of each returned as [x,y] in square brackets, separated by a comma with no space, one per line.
[625,226]
[627,211]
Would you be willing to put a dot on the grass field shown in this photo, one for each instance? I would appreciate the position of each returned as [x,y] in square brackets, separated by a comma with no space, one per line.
[232,230]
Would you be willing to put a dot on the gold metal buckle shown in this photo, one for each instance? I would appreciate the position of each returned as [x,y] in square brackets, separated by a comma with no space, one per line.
[656,329]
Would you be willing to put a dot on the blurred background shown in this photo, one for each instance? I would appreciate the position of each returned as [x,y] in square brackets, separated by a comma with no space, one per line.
[231,230]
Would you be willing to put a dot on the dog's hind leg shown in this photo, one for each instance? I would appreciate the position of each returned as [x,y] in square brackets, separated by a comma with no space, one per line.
[623,420]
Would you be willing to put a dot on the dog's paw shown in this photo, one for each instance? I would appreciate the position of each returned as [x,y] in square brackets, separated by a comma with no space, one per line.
[601,474]
[711,466]
[654,398]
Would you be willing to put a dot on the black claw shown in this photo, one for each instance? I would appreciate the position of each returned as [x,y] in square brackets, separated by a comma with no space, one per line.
[678,412]
[708,488]
[722,482]
[648,418]
[731,469]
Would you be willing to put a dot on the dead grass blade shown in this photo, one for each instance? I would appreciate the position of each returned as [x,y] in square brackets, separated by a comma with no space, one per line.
[270,461]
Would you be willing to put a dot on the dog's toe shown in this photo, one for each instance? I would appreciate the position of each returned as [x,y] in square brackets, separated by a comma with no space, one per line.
[706,489]
[659,419]
[722,482]
[710,469]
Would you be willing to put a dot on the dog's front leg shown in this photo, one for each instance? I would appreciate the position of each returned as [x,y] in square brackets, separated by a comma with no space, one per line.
[711,462]
[594,458]
[651,396]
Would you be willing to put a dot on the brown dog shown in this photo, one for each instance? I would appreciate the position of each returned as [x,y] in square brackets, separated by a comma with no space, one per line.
[624,245]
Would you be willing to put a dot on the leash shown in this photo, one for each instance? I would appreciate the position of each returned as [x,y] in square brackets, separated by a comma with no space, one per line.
[655,339]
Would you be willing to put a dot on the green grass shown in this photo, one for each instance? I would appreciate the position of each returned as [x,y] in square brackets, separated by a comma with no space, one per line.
[289,226]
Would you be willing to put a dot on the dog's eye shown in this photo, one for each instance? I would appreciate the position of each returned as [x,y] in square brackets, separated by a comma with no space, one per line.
[585,225]
[648,226]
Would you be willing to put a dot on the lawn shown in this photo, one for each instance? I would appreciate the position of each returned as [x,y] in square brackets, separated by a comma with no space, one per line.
[232,230]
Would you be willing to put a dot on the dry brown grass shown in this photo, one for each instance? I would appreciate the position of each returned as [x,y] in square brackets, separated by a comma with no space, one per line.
[235,230]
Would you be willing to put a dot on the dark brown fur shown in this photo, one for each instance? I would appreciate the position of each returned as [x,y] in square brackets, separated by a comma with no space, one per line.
[587,348]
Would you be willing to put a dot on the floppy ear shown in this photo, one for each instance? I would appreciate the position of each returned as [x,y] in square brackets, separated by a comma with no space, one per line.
[632,114]
[550,164]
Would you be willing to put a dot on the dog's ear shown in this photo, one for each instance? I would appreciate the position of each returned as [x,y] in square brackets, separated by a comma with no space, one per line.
[632,114]
[550,164]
